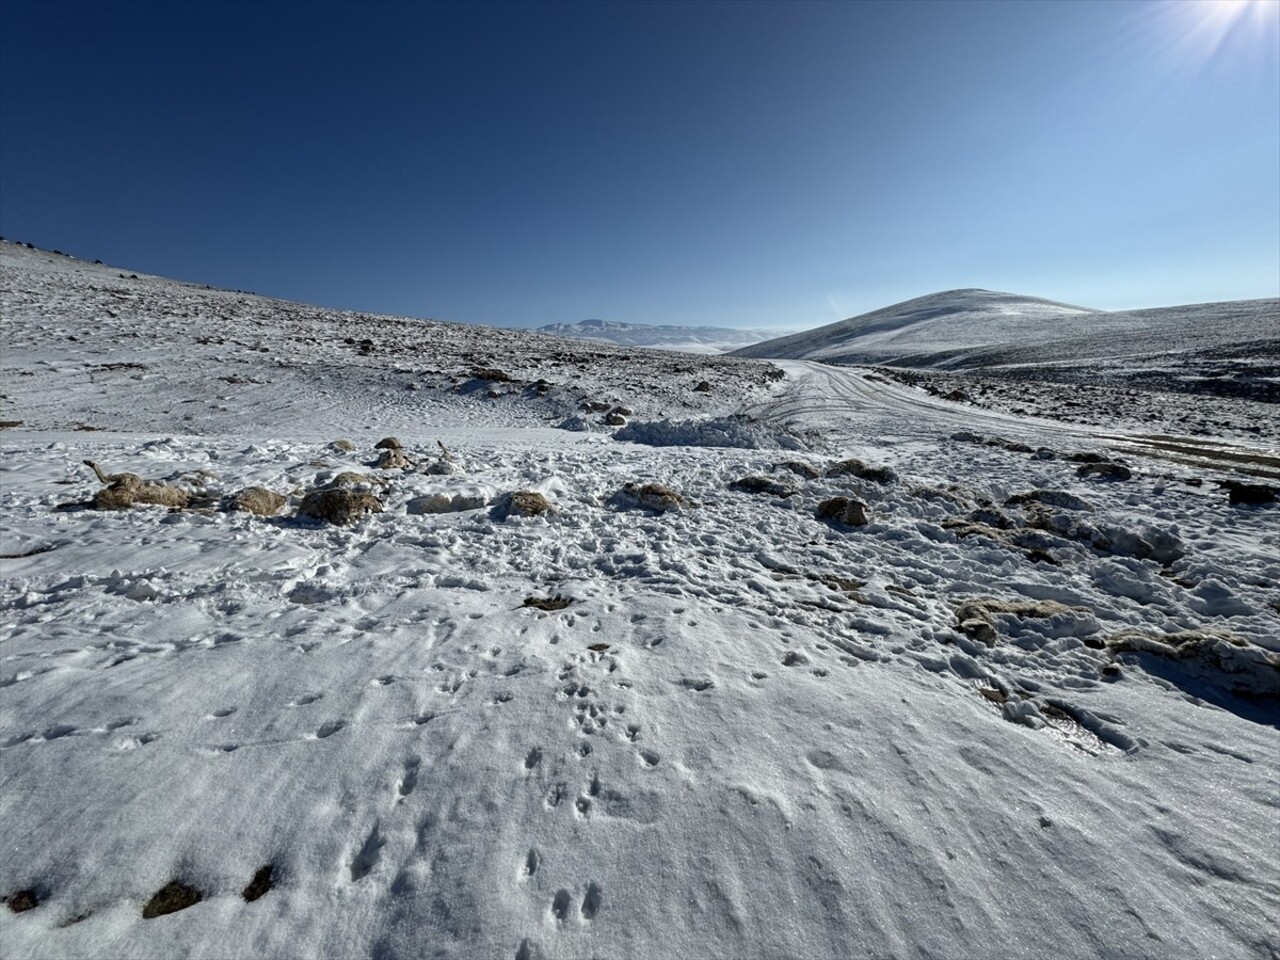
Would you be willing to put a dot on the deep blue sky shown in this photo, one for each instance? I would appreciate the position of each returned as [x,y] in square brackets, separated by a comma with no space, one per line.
[745,164]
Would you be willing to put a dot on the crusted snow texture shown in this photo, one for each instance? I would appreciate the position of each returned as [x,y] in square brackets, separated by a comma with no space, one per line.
[708,433]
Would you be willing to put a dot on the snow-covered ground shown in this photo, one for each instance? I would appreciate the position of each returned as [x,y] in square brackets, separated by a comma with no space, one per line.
[1020,713]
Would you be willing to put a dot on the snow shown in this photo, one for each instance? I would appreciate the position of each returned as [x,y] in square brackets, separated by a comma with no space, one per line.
[748,733]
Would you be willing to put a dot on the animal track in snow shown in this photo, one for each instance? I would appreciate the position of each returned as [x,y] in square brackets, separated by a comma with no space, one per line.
[369,855]
[329,729]
[533,758]
[591,901]
[650,758]
[222,712]
[560,905]
[409,778]
[305,699]
[532,861]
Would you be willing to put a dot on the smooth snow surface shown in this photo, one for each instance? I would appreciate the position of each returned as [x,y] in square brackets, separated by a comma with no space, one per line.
[748,733]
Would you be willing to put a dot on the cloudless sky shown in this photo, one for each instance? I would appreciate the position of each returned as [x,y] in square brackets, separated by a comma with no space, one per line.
[736,164]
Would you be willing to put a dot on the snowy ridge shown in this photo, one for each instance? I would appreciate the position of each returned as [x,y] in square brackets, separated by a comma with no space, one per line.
[670,336]
[1025,710]
[982,330]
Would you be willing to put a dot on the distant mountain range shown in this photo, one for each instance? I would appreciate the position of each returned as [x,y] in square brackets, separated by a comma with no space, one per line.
[658,335]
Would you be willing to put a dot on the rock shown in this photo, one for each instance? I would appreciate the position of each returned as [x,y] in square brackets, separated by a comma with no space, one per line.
[856,468]
[338,505]
[652,496]
[849,511]
[1105,471]
[342,446]
[549,604]
[575,423]
[524,503]
[1249,494]
[1052,498]
[491,374]
[392,458]
[968,436]
[594,406]
[388,443]
[703,387]
[1044,453]
[763,485]
[615,419]
[434,503]
[257,500]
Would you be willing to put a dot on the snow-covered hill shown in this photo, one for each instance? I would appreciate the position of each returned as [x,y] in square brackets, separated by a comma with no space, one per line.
[982,330]
[1029,708]
[665,336]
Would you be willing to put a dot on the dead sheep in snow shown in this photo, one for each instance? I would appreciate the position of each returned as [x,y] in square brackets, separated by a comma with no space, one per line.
[256,500]
[763,485]
[445,503]
[849,511]
[392,458]
[523,503]
[389,443]
[338,505]
[125,490]
[651,496]
[978,618]
[857,468]
[1237,664]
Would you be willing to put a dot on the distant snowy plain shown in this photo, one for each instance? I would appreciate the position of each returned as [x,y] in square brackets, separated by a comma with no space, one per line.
[750,733]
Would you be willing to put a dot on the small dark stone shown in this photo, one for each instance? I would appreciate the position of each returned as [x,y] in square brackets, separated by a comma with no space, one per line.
[171,898]
[703,387]
[259,885]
